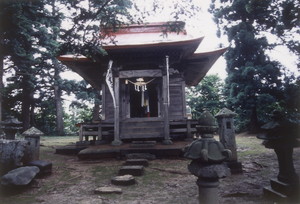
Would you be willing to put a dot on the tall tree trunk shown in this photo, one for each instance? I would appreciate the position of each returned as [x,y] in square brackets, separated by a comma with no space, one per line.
[1,85]
[57,89]
[27,99]
[58,102]
[253,125]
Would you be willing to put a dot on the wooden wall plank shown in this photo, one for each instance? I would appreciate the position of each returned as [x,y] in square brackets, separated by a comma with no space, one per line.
[140,73]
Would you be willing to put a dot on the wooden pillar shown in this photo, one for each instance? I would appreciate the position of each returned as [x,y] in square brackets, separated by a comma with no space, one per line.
[189,130]
[117,140]
[81,133]
[166,103]
[99,137]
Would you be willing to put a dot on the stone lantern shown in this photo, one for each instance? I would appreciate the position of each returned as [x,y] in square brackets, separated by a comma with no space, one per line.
[281,135]
[10,127]
[225,118]
[207,157]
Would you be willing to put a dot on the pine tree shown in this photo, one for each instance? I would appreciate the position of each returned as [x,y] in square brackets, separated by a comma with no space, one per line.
[253,83]
[19,39]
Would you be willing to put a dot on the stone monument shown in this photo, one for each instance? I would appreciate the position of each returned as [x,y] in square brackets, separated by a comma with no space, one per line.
[282,135]
[32,136]
[225,118]
[12,153]
[207,157]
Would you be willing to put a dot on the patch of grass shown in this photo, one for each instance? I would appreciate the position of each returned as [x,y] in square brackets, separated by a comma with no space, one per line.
[249,146]
[58,140]
[28,199]
[103,173]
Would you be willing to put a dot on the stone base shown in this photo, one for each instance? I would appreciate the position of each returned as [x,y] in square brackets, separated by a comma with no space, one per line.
[44,166]
[167,142]
[282,192]
[235,167]
[131,170]
[116,143]
[208,190]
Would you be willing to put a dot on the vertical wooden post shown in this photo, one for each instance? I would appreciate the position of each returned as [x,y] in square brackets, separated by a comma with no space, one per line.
[117,140]
[188,128]
[81,133]
[166,103]
[99,132]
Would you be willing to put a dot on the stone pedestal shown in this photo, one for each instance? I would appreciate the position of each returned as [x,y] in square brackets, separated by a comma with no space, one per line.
[33,149]
[287,171]
[32,136]
[208,190]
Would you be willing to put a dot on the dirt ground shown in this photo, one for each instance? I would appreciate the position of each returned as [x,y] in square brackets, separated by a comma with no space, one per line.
[165,181]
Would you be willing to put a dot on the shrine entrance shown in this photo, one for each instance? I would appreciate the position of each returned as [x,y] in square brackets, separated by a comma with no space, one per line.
[144,103]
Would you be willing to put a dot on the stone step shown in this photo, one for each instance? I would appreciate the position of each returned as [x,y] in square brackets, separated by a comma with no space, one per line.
[44,166]
[140,162]
[108,190]
[134,170]
[274,195]
[125,180]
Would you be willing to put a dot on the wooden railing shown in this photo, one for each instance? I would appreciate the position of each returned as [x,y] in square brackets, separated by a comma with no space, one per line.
[180,128]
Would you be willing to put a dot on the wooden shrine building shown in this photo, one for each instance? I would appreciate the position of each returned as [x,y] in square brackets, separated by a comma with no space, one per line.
[143,79]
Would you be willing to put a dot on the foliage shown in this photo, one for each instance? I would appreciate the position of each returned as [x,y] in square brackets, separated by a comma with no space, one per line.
[207,95]
[254,85]
[21,41]
[76,116]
